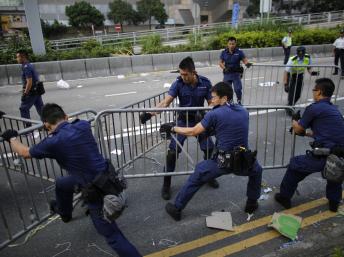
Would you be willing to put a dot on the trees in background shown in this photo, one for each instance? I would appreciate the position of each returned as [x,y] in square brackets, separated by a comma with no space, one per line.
[148,9]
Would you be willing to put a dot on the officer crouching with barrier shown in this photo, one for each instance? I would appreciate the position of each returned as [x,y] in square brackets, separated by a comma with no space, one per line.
[327,125]
[75,149]
[229,123]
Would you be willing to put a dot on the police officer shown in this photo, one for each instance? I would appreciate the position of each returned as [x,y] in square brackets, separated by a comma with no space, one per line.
[74,148]
[29,79]
[286,44]
[293,75]
[327,126]
[338,52]
[229,123]
[230,59]
[191,90]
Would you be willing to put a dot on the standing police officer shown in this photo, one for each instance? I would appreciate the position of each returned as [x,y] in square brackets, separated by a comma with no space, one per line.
[293,75]
[191,90]
[327,125]
[230,124]
[286,44]
[30,79]
[74,148]
[338,52]
[230,59]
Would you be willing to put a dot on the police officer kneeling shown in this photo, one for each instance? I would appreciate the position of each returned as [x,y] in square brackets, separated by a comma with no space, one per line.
[74,148]
[327,125]
[229,123]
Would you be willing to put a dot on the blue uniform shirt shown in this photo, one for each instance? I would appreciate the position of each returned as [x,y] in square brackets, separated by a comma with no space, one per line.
[326,122]
[232,60]
[191,96]
[230,122]
[75,149]
[28,71]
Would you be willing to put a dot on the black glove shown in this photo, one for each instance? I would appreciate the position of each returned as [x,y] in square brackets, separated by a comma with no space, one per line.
[296,116]
[315,73]
[249,64]
[286,87]
[8,134]
[166,129]
[144,117]
[2,114]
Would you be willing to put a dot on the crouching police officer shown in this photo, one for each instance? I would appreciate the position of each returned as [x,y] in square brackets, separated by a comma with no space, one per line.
[327,125]
[230,64]
[74,148]
[229,123]
[191,90]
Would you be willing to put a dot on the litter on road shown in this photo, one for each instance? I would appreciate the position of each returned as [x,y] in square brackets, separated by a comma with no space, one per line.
[286,224]
[220,220]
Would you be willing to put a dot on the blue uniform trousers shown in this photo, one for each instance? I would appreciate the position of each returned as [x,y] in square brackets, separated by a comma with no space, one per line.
[235,79]
[208,170]
[302,166]
[26,105]
[204,141]
[113,235]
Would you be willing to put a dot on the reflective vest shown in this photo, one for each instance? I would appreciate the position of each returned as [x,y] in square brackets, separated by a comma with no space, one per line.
[295,63]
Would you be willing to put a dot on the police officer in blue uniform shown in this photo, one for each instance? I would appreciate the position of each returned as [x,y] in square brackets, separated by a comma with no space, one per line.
[74,148]
[327,126]
[29,78]
[191,89]
[229,122]
[230,59]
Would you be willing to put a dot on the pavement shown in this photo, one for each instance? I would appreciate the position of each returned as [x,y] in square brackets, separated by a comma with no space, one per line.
[145,222]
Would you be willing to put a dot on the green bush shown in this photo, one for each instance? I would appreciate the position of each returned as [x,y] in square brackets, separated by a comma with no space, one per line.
[151,44]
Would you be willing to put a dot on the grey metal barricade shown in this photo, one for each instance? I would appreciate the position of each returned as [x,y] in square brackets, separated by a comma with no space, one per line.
[130,144]
[263,84]
[25,193]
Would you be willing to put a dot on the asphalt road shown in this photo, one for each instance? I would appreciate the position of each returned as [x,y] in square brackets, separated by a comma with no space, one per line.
[145,222]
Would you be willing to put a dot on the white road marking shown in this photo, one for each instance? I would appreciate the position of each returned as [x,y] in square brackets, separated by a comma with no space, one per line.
[267,84]
[120,76]
[116,152]
[126,93]
[139,82]
[79,86]
[144,74]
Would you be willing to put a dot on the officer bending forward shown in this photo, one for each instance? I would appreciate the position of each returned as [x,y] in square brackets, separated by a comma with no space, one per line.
[74,148]
[230,124]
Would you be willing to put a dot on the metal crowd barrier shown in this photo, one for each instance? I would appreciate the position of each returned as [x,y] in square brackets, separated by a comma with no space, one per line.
[139,151]
[263,84]
[25,193]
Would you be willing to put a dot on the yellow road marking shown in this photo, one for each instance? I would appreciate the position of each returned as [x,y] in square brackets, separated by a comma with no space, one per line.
[266,236]
[239,229]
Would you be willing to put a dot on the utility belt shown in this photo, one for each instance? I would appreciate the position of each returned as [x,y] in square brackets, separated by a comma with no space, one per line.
[239,161]
[37,89]
[334,167]
[233,70]
[106,183]
[194,116]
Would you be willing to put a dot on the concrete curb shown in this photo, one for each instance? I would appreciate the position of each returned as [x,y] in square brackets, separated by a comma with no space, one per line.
[106,66]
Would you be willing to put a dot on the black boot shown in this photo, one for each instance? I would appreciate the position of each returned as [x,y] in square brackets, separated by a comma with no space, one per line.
[213,183]
[251,206]
[173,211]
[333,206]
[285,202]
[165,190]
[54,209]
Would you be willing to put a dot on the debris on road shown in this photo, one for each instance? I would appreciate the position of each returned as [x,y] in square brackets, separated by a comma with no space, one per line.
[62,84]
[289,244]
[286,224]
[249,216]
[263,197]
[168,243]
[220,220]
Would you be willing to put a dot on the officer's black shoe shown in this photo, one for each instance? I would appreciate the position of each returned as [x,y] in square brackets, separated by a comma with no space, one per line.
[333,206]
[251,206]
[166,193]
[54,209]
[213,183]
[285,202]
[173,211]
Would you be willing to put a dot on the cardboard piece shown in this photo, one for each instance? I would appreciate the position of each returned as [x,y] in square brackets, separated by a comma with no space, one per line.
[286,224]
[220,220]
